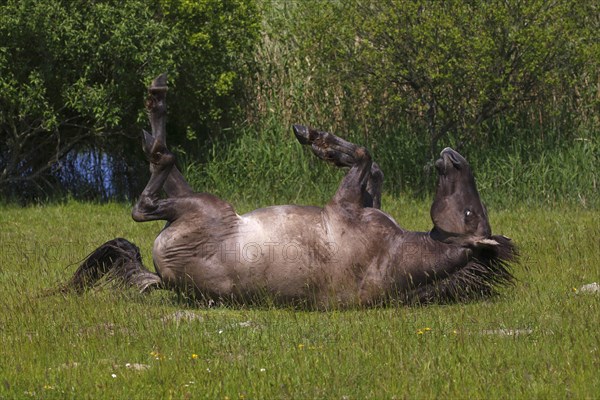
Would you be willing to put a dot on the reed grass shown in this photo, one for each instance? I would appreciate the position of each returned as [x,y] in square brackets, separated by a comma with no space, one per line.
[269,166]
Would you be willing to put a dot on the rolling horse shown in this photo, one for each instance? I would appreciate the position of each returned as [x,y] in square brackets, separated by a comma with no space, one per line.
[348,253]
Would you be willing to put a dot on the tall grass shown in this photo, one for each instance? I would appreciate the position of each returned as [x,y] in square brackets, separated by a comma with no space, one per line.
[268,166]
[568,173]
[264,168]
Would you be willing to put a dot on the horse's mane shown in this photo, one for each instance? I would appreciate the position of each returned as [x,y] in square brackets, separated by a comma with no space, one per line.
[489,270]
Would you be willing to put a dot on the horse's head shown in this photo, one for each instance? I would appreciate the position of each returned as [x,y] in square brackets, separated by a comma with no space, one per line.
[458,215]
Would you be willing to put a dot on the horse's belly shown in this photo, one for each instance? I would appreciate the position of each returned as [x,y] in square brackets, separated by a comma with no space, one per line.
[183,260]
[278,259]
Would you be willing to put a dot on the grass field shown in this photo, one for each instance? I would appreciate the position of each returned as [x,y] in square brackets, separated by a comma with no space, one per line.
[539,339]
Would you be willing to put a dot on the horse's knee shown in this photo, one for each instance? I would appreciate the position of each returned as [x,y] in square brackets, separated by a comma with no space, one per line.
[137,214]
[143,208]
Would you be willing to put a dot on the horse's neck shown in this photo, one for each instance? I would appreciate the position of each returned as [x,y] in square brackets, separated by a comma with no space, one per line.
[419,257]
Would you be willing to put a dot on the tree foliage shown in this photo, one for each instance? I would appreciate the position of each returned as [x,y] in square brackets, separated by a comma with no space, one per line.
[73,73]
[442,70]
[397,72]
[455,65]
[216,40]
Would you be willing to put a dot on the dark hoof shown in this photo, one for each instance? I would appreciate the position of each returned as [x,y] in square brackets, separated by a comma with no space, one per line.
[304,134]
[159,84]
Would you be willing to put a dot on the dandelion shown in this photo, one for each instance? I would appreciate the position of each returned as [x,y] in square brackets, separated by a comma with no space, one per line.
[194,356]
[48,387]
[300,346]
[263,370]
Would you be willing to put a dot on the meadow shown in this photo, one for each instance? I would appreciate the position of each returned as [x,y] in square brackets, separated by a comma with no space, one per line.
[537,339]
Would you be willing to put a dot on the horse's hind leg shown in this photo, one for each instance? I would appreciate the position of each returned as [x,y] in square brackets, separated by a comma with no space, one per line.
[342,153]
[352,192]
[374,186]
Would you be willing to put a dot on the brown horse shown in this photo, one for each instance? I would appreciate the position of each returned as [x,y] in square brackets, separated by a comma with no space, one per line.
[345,254]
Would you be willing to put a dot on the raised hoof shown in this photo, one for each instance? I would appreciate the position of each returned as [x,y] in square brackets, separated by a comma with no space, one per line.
[304,134]
[159,84]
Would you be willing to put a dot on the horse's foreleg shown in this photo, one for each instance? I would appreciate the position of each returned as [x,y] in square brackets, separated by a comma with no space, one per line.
[342,153]
[149,206]
[175,185]
[156,143]
[327,146]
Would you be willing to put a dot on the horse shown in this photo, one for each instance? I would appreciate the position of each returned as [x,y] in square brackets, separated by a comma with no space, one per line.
[348,253]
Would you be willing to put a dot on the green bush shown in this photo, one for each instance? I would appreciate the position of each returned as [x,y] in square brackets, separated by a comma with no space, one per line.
[73,75]
[512,85]
[441,71]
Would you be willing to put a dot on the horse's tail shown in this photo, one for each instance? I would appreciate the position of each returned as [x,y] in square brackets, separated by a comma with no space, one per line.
[117,261]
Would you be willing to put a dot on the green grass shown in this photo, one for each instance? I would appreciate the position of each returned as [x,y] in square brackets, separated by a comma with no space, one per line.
[79,346]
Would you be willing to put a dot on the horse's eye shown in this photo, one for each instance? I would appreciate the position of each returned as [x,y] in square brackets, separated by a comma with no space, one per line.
[468,213]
